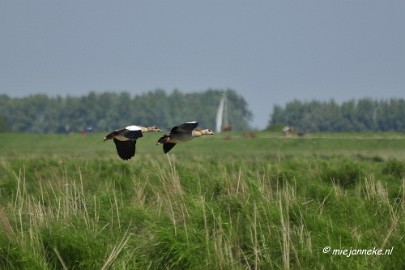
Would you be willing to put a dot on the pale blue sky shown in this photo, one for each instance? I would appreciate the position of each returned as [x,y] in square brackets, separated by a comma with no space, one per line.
[270,52]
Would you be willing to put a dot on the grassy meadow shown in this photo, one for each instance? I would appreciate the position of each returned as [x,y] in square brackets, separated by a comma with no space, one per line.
[321,201]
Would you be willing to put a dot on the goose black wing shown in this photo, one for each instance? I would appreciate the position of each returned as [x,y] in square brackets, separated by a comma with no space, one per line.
[167,147]
[184,128]
[131,134]
[125,149]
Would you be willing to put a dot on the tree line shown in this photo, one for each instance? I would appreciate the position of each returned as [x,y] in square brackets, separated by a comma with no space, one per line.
[109,110]
[355,115]
[41,113]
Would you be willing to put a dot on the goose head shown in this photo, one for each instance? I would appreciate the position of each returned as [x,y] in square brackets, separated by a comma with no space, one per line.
[154,129]
[200,132]
[207,132]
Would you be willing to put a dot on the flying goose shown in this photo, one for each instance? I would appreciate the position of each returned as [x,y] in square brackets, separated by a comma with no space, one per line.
[125,139]
[182,133]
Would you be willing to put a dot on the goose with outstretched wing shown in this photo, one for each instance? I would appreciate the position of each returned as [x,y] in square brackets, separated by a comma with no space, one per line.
[182,133]
[125,139]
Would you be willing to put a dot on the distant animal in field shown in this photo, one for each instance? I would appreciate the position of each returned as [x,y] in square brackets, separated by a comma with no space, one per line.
[125,139]
[249,135]
[289,131]
[227,128]
[182,133]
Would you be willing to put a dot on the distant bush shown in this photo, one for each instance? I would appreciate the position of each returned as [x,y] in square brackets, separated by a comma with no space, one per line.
[4,125]
[275,128]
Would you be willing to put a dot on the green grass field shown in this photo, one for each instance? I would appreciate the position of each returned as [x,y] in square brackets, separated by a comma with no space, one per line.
[322,201]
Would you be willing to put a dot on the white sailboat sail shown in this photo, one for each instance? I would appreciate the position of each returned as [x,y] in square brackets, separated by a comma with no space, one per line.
[220,113]
[225,118]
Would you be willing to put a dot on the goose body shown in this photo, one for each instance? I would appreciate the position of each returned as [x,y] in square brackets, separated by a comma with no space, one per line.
[125,139]
[182,133]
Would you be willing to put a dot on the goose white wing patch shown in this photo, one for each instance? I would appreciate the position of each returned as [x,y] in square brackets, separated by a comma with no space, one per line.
[133,128]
